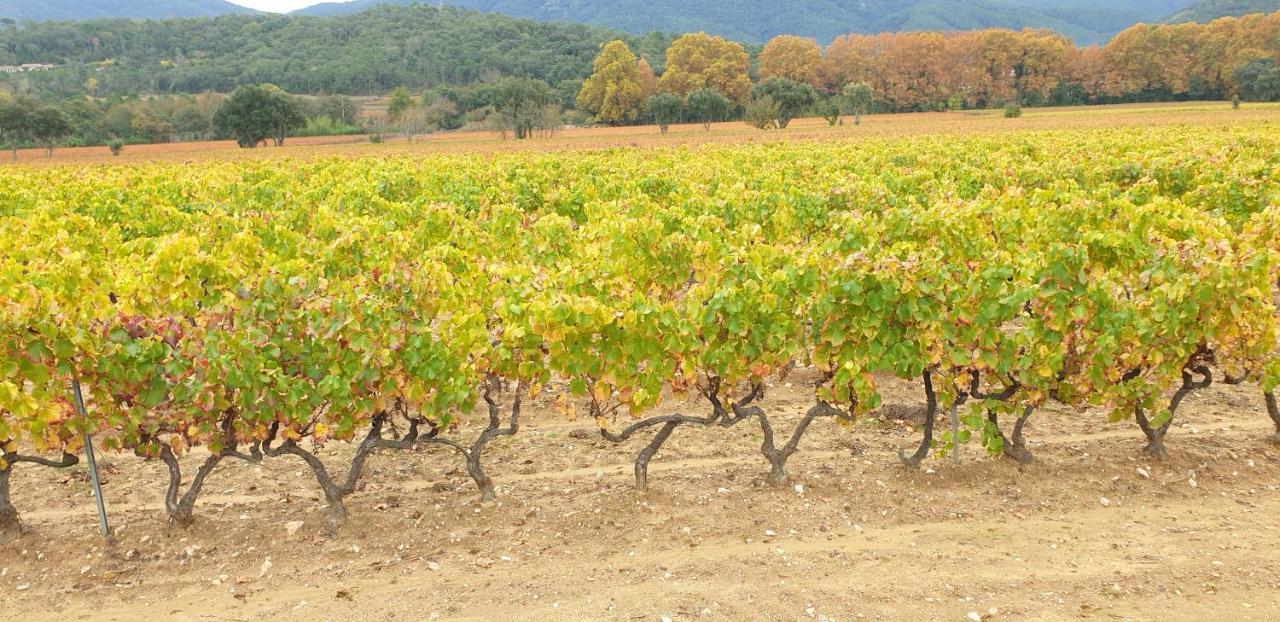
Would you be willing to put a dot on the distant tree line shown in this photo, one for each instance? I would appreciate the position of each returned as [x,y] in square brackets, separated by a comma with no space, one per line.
[698,78]
[921,71]
[118,122]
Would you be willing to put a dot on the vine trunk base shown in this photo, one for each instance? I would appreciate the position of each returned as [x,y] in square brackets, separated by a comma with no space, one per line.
[9,521]
[1273,410]
[913,461]
[1015,446]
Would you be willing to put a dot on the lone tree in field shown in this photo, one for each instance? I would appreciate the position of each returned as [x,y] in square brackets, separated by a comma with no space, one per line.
[15,121]
[707,106]
[830,110]
[613,92]
[415,121]
[254,113]
[762,113]
[666,109]
[521,106]
[47,126]
[401,102]
[858,97]
[791,97]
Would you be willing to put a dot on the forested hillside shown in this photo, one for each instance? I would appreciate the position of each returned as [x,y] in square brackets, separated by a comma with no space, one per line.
[371,52]
[750,21]
[40,10]
[1086,21]
[1209,10]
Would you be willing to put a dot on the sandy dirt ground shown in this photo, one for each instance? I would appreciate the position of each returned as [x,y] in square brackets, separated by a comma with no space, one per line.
[1093,529]
[982,122]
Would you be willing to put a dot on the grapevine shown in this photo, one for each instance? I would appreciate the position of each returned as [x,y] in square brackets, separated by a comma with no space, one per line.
[261,310]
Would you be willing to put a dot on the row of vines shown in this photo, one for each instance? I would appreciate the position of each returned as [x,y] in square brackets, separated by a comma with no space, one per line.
[262,309]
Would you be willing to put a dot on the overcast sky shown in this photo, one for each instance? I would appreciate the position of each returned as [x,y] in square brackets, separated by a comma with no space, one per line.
[279,6]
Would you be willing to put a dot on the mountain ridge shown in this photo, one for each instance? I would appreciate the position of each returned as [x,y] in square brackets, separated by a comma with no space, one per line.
[1209,10]
[77,10]
[749,21]
[755,21]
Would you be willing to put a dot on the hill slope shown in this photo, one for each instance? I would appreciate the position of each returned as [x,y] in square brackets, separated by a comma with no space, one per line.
[1209,10]
[60,10]
[370,52]
[1087,21]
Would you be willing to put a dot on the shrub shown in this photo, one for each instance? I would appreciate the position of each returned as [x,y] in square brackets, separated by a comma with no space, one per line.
[762,113]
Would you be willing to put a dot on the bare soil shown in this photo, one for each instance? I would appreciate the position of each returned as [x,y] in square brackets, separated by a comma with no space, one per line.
[971,122]
[1094,529]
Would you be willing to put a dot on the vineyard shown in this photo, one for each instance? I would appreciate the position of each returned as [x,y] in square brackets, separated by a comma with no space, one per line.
[262,311]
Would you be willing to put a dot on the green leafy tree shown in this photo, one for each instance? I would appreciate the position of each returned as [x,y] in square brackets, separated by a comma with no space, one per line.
[707,106]
[520,106]
[613,92]
[47,126]
[254,113]
[118,121]
[15,121]
[666,109]
[400,103]
[858,96]
[791,97]
[762,113]
[830,110]
[87,121]
[441,112]
[1259,80]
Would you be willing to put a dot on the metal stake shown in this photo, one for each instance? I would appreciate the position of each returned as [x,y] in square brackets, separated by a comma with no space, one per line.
[93,463]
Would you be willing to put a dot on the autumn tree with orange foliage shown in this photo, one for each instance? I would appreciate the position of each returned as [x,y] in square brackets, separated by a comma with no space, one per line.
[851,58]
[911,73]
[1194,60]
[798,59]
[648,80]
[988,68]
[698,60]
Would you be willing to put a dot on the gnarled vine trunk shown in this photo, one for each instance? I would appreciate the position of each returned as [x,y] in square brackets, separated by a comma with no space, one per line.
[335,492]
[1155,434]
[1014,446]
[778,456]
[181,509]
[669,424]
[10,520]
[930,416]
[474,454]
[1273,409]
